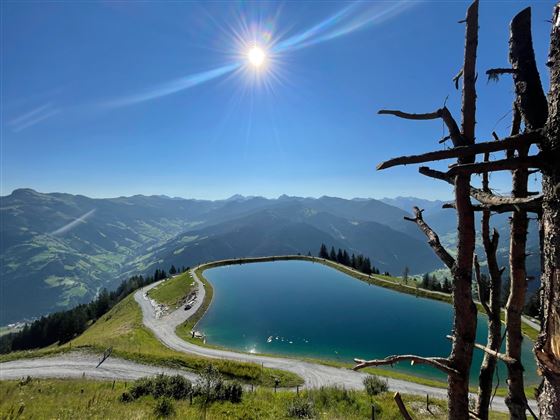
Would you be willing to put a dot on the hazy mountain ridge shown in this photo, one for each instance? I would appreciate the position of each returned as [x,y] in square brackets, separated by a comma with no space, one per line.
[60,249]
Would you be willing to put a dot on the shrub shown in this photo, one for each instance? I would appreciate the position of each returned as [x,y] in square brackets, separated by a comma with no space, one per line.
[159,386]
[210,384]
[232,392]
[164,407]
[141,387]
[178,387]
[126,397]
[301,408]
[375,385]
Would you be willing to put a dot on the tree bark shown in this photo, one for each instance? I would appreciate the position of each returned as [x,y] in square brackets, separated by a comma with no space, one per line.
[547,347]
[515,399]
[532,105]
[531,100]
[488,366]
[464,322]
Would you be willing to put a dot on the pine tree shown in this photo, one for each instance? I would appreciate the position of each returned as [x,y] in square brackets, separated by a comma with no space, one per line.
[339,257]
[425,281]
[323,253]
[332,255]
[345,258]
[446,285]
[406,271]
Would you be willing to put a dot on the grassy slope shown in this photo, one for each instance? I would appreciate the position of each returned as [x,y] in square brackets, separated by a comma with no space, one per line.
[172,292]
[70,399]
[122,329]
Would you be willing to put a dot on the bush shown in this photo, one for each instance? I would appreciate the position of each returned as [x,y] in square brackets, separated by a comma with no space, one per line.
[212,387]
[301,408]
[178,387]
[210,384]
[374,385]
[164,407]
[141,387]
[232,392]
[126,397]
[159,386]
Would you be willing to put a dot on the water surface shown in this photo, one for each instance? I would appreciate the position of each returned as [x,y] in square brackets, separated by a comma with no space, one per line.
[300,308]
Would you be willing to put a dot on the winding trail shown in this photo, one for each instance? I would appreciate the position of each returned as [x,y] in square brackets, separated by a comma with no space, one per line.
[80,364]
[315,375]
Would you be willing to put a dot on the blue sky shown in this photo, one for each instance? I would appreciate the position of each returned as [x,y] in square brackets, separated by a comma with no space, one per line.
[119,98]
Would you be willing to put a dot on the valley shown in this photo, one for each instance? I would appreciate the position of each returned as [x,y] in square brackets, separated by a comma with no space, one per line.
[66,248]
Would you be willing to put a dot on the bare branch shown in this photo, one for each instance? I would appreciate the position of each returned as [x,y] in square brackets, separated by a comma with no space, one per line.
[513,142]
[497,165]
[483,197]
[433,238]
[494,74]
[401,406]
[504,358]
[440,363]
[482,291]
[457,78]
[443,113]
[533,206]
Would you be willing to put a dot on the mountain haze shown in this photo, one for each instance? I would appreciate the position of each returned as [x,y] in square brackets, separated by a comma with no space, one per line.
[60,249]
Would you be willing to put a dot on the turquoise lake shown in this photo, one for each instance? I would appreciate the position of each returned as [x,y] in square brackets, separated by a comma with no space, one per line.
[306,309]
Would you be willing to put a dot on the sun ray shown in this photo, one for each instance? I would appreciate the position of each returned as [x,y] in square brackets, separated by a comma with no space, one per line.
[258,48]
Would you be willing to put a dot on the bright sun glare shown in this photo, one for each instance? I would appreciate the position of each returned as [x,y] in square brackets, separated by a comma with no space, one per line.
[256,56]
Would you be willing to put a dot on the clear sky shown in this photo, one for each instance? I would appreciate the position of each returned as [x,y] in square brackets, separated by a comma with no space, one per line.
[119,98]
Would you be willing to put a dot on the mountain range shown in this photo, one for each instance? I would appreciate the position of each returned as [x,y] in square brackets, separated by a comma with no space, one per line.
[57,250]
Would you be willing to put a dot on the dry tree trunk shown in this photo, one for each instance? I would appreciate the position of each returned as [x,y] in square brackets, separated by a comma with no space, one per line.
[532,105]
[547,348]
[492,308]
[515,399]
[464,324]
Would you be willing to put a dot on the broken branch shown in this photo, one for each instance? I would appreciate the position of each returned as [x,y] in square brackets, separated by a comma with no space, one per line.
[497,165]
[504,358]
[440,363]
[483,197]
[433,238]
[443,113]
[508,143]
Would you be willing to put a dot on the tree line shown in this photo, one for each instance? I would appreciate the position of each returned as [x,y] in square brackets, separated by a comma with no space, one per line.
[432,283]
[63,326]
[357,262]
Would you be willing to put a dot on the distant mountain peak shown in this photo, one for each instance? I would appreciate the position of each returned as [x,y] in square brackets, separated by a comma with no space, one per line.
[24,192]
[235,197]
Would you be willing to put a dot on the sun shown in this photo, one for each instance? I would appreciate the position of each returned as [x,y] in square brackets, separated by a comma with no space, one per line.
[256,56]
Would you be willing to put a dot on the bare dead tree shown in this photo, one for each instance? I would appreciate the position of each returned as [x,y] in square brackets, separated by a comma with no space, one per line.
[547,347]
[530,106]
[490,298]
[457,365]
